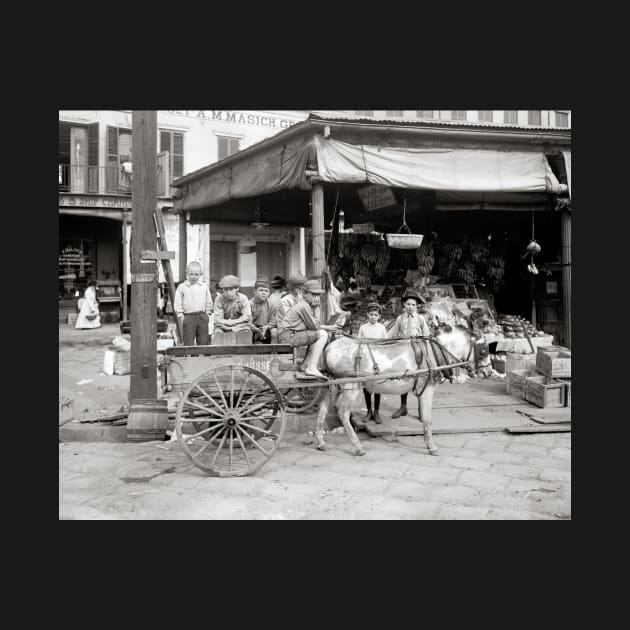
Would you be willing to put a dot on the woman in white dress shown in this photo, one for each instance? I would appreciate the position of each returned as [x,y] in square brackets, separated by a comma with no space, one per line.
[89,316]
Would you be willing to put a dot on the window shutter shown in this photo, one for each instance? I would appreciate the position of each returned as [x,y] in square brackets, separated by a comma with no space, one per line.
[222,148]
[112,141]
[178,143]
[533,118]
[111,175]
[93,158]
[165,141]
[234,145]
[178,166]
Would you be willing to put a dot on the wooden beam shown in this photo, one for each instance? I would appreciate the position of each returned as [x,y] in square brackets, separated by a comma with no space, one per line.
[143,378]
[151,254]
[125,266]
[181,351]
[545,428]
[183,248]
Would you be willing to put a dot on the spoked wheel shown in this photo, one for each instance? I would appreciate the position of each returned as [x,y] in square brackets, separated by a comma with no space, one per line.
[302,399]
[243,420]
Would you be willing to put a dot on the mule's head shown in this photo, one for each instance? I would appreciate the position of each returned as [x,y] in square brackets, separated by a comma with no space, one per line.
[481,352]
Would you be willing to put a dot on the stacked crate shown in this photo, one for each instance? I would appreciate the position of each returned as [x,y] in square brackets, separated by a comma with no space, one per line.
[548,383]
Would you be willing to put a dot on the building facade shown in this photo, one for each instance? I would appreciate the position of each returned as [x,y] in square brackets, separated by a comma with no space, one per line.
[95,154]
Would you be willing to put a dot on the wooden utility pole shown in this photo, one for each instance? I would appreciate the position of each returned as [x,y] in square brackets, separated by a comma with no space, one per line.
[183,248]
[319,241]
[142,423]
[565,259]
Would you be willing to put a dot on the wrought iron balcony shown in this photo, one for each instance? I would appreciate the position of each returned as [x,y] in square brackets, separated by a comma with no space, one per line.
[105,180]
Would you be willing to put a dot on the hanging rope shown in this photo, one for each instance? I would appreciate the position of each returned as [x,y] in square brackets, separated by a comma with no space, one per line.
[333,225]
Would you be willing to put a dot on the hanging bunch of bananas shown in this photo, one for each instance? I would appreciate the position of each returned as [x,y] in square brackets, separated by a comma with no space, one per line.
[382,258]
[496,268]
[453,251]
[369,253]
[478,251]
[466,272]
[425,255]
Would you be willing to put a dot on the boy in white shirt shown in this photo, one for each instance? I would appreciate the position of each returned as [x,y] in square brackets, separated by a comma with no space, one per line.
[372,329]
[193,307]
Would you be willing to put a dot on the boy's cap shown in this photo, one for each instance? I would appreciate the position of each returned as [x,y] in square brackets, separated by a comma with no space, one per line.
[228,282]
[296,281]
[262,282]
[312,286]
[277,282]
[413,295]
[374,306]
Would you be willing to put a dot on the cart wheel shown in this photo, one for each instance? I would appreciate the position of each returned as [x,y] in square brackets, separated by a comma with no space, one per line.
[244,420]
[301,399]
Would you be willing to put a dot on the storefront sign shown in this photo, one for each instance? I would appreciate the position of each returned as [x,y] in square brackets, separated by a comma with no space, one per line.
[240,118]
[95,202]
[376,196]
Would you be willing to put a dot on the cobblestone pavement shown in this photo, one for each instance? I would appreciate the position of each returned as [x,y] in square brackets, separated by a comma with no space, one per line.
[476,476]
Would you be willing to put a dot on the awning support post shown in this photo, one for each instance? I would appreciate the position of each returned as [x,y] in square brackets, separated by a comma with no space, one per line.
[319,240]
[183,248]
[565,259]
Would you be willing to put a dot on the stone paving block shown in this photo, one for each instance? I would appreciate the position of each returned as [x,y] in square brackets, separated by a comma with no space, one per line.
[465,463]
[398,509]
[549,462]
[515,471]
[454,494]
[407,490]
[476,479]
[507,501]
[560,453]
[458,452]
[522,486]
[555,475]
[515,459]
[84,513]
[448,440]
[503,514]
[288,493]
[562,440]
[527,449]
[459,512]
[389,470]
[486,444]
[229,486]
[420,459]
[537,439]
[374,486]
[431,476]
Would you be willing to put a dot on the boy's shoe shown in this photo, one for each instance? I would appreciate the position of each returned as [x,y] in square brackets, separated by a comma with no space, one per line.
[401,411]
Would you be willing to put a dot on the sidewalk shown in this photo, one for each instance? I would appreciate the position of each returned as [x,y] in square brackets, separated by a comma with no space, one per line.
[477,475]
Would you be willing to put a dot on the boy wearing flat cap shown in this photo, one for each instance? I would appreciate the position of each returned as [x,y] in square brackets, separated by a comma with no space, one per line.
[232,312]
[300,327]
[277,291]
[295,294]
[409,324]
[372,329]
[263,324]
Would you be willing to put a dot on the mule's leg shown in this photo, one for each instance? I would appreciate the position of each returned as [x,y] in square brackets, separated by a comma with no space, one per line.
[425,405]
[321,420]
[344,406]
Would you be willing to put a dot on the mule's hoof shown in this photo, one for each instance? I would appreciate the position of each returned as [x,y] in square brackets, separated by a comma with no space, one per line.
[433,451]
[360,453]
[320,448]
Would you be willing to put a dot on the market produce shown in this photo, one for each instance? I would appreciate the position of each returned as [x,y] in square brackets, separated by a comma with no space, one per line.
[426,258]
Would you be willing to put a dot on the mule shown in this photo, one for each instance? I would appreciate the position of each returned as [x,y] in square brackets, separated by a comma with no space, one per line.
[349,357]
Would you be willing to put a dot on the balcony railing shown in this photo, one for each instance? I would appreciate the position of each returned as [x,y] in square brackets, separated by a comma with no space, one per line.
[106,180]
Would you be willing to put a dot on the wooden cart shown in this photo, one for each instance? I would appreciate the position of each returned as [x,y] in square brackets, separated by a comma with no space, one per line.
[233,402]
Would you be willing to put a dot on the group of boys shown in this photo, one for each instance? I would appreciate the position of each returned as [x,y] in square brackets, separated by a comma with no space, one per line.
[292,318]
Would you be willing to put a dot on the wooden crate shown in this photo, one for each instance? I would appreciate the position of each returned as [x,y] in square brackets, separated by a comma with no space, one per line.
[515,382]
[567,393]
[72,319]
[519,361]
[543,391]
[554,363]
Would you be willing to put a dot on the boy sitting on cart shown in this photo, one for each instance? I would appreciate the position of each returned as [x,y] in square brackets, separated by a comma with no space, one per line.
[232,312]
[300,327]
[263,324]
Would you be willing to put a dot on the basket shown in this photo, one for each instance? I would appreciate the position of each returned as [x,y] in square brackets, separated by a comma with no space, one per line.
[404,241]
[91,317]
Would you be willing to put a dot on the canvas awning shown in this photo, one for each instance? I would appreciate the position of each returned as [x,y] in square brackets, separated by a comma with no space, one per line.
[275,165]
[457,170]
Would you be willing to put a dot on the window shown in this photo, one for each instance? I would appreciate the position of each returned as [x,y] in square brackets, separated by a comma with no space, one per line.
[510,117]
[118,152]
[227,146]
[533,118]
[458,114]
[78,157]
[485,115]
[426,113]
[173,142]
[562,119]
[364,112]
[394,112]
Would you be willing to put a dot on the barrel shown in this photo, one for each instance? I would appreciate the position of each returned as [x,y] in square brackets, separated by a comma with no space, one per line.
[518,361]
[148,420]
